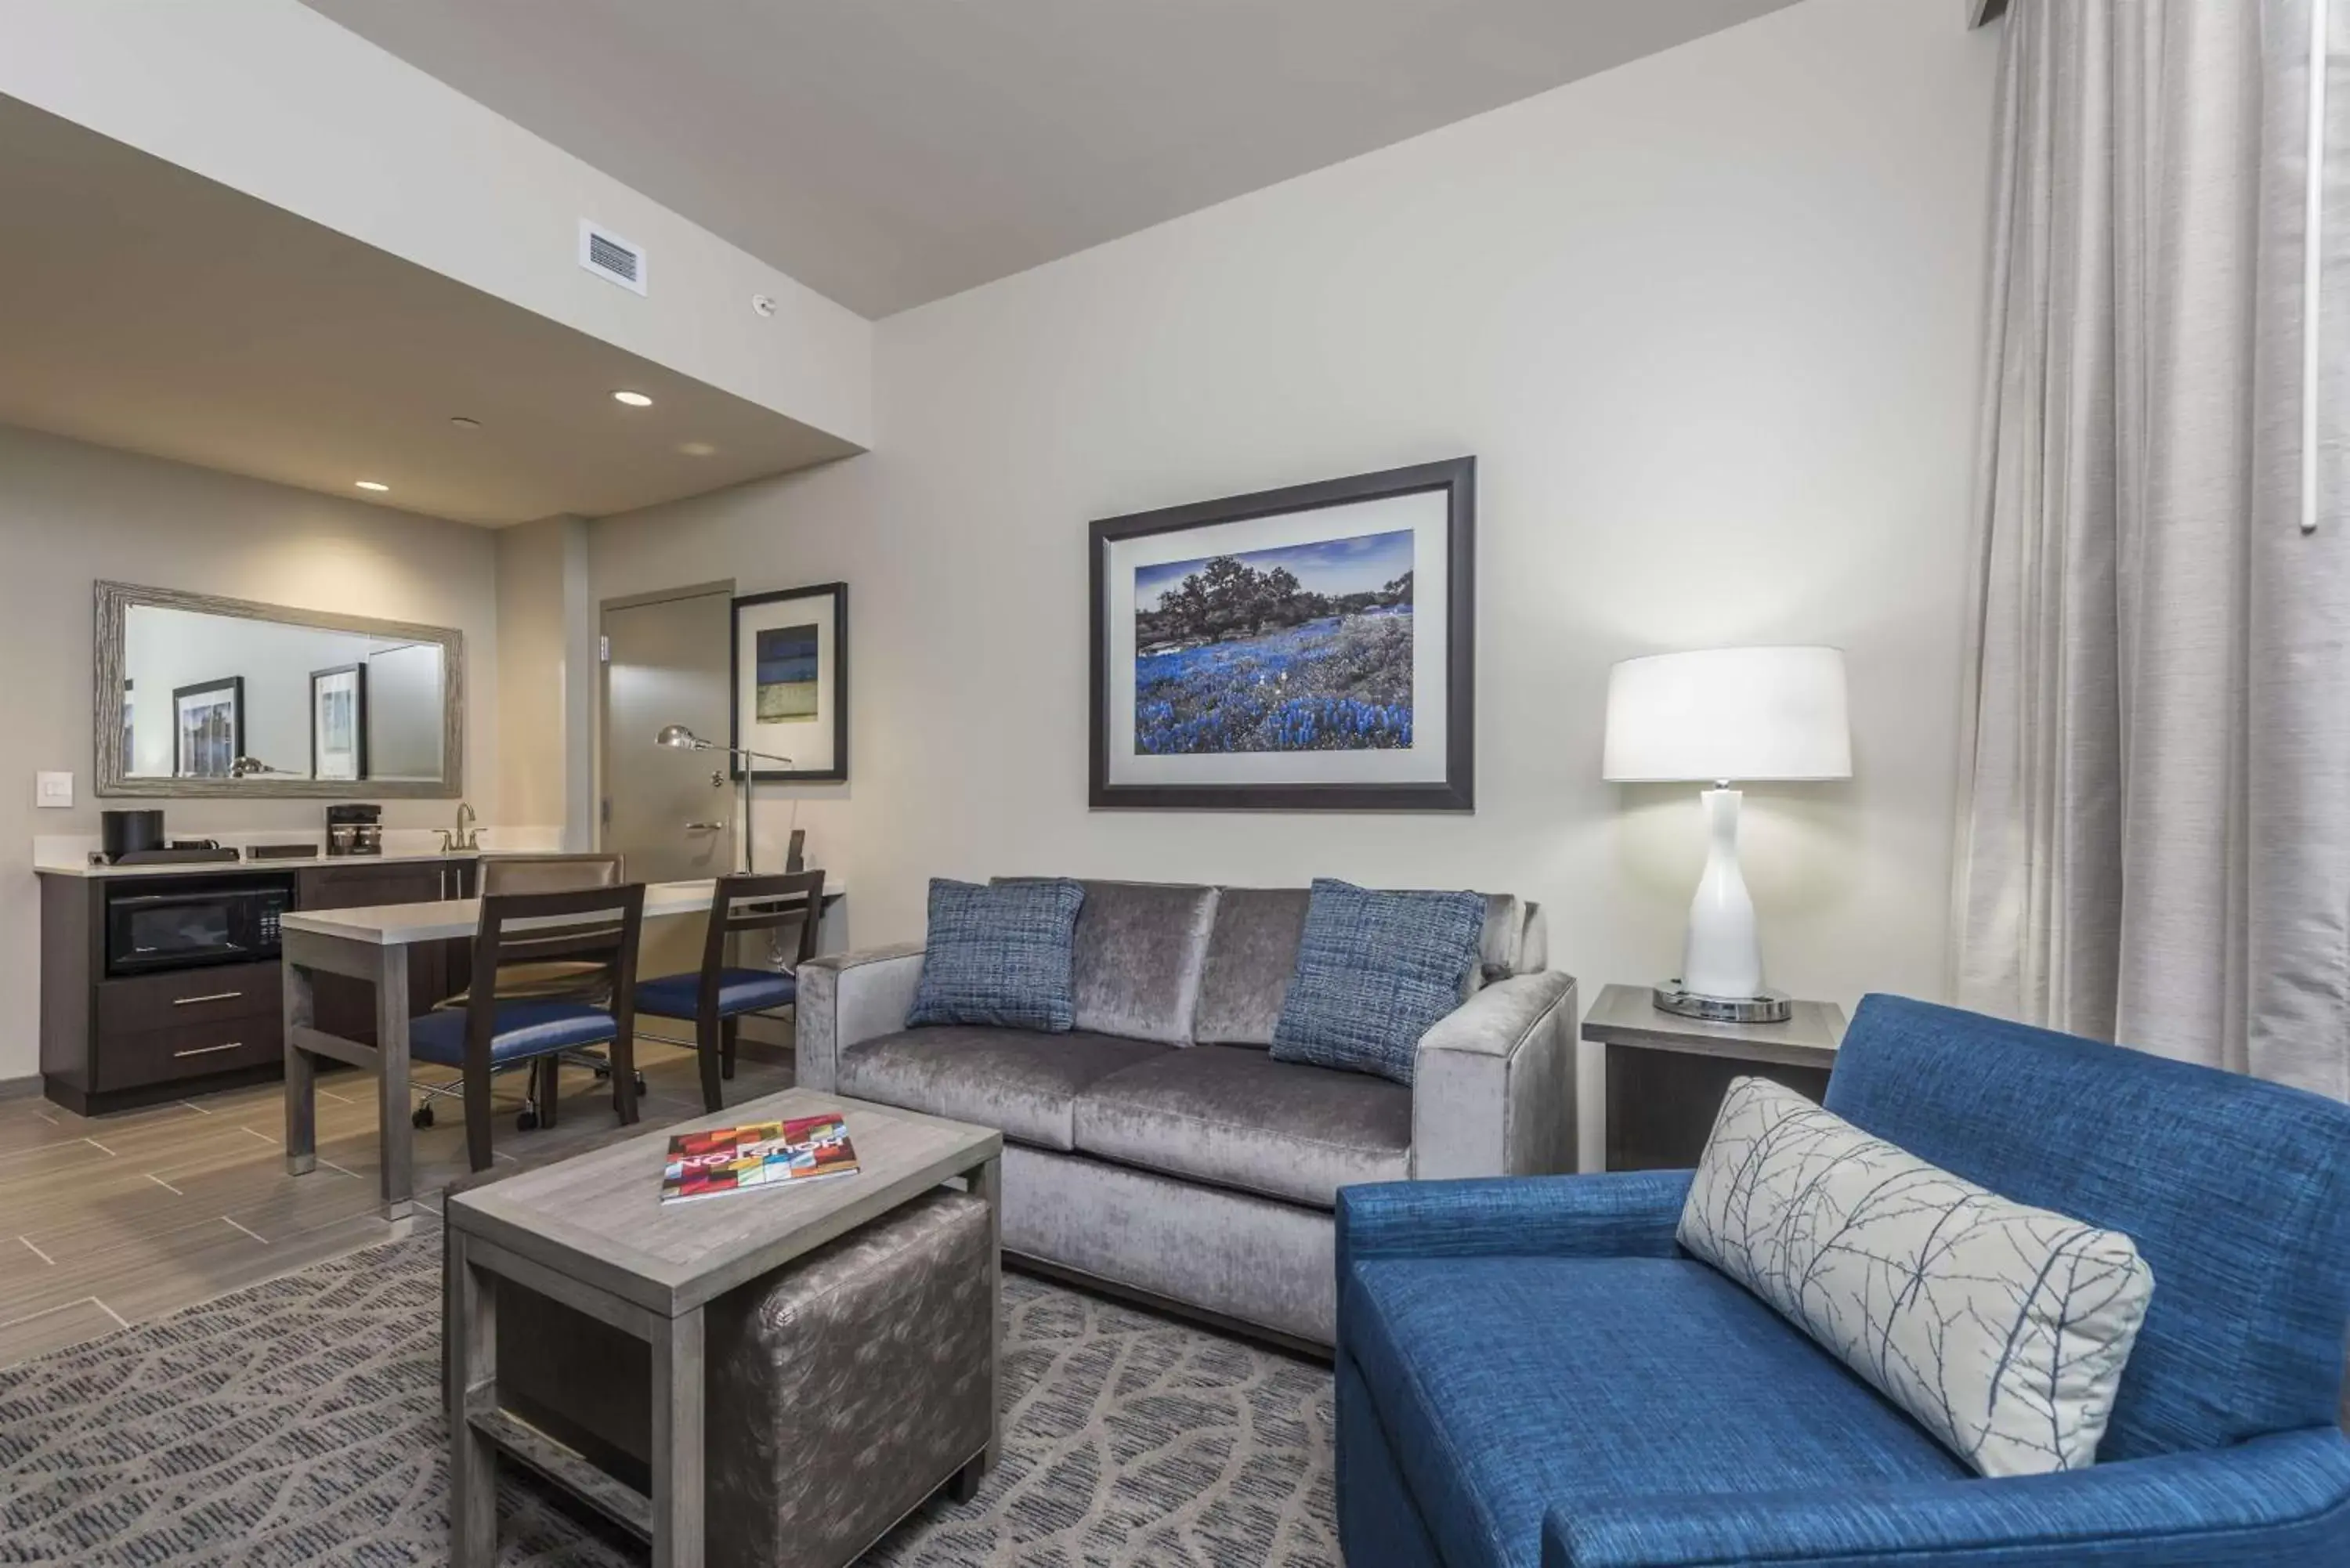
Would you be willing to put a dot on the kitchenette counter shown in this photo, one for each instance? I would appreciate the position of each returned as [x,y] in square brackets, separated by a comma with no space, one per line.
[60,867]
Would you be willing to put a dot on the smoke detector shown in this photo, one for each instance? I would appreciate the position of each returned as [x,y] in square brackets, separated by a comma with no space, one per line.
[610,257]
[763,305]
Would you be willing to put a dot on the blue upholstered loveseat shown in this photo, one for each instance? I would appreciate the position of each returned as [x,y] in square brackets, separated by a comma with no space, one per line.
[1531,1373]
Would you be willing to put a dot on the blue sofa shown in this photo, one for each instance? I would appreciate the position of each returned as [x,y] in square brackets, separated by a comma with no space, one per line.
[1530,1373]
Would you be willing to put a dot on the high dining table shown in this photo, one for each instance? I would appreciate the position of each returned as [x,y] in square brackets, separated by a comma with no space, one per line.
[372,944]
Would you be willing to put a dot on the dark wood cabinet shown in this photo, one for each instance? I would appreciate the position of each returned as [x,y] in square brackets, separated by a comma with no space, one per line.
[114,1042]
[435,970]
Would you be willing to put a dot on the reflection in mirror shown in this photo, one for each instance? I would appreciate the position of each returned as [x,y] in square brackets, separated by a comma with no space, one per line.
[202,692]
[221,696]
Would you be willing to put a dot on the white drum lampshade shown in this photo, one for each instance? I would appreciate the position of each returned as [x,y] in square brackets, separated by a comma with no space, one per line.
[1722,716]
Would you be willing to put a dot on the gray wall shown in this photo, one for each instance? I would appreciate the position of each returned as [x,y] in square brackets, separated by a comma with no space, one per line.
[404,721]
[71,513]
[1710,324]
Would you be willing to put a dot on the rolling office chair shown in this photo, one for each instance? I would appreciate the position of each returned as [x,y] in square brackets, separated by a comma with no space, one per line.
[717,995]
[492,1033]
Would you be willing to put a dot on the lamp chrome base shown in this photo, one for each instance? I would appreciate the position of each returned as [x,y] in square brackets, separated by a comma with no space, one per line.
[1770,1007]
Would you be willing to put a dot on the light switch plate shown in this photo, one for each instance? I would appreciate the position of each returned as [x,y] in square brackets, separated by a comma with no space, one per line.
[53,790]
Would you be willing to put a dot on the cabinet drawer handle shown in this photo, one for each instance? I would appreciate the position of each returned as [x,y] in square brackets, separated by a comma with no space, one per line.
[705,828]
[207,1050]
[215,996]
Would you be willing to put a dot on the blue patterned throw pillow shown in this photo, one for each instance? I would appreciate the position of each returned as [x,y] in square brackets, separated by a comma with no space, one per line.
[1000,956]
[1373,971]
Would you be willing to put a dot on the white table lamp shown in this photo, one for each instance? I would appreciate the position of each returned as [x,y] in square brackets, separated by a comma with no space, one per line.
[1718,716]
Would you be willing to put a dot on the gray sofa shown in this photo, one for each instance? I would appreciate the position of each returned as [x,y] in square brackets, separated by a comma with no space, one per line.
[1158,1148]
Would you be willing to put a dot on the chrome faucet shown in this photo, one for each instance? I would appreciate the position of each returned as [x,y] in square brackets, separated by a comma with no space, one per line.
[466,837]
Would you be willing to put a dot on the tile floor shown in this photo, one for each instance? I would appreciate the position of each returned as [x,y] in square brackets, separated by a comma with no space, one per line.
[107,1222]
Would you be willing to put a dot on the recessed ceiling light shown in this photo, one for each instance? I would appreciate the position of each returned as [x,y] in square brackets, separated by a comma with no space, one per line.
[697,449]
[634,399]
[372,484]
[463,423]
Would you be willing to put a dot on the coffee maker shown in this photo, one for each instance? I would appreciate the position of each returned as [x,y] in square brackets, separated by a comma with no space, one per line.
[355,830]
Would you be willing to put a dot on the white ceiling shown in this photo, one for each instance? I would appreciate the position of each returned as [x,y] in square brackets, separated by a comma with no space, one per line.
[889,152]
[150,308]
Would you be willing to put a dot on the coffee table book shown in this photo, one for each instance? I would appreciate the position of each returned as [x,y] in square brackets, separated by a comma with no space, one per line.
[718,1161]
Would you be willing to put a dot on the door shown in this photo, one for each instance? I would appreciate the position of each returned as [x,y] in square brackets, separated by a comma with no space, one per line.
[670,812]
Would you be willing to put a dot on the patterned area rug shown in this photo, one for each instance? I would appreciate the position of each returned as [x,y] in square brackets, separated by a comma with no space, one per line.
[299,1422]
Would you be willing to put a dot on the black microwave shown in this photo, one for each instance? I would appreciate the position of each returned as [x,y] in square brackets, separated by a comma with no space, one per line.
[188,926]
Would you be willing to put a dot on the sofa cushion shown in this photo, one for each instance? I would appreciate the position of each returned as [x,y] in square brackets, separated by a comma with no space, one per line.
[999,955]
[1510,1386]
[1024,1084]
[1252,953]
[2001,1327]
[1375,971]
[1138,950]
[1233,1115]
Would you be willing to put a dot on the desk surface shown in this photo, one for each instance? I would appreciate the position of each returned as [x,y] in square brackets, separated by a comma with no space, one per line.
[399,925]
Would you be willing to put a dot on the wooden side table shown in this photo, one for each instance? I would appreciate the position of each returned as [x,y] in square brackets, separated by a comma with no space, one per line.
[1667,1075]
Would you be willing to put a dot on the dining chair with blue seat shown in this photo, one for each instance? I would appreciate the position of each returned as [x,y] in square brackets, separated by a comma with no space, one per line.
[718,995]
[522,977]
[492,1034]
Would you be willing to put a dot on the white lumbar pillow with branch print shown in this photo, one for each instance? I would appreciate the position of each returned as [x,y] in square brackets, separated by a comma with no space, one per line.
[2002,1328]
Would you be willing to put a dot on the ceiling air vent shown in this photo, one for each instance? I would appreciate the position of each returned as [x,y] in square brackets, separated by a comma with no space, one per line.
[610,257]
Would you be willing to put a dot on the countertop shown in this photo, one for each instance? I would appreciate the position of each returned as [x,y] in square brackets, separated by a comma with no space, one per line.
[290,863]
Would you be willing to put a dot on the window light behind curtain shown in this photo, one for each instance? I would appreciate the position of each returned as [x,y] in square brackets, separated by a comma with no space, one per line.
[2153,840]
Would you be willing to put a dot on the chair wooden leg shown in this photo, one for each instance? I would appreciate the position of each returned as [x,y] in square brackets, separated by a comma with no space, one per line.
[706,1038]
[545,1086]
[477,1117]
[727,1032]
[623,1052]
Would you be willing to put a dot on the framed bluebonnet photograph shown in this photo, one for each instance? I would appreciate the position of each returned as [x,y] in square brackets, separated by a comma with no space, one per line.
[1301,649]
[791,683]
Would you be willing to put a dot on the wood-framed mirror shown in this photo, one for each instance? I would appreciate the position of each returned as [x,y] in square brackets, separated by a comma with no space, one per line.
[203,696]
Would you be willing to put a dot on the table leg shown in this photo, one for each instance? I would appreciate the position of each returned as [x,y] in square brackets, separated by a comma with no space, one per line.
[301,1076]
[679,1521]
[391,1081]
[987,1182]
[473,1373]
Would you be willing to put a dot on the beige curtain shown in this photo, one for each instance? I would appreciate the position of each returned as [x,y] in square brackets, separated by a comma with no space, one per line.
[2154,823]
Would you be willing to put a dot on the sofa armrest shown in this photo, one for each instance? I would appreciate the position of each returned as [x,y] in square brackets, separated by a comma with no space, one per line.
[1492,1086]
[848,998]
[2275,1500]
[1620,1214]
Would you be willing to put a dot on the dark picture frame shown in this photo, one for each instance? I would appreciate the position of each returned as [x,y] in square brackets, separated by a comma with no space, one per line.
[828,651]
[359,674]
[233,686]
[1456,480]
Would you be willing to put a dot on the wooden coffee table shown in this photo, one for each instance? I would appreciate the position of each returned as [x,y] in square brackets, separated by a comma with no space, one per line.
[592,1233]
